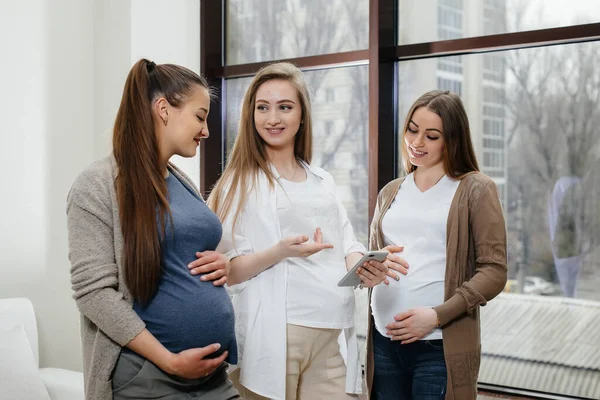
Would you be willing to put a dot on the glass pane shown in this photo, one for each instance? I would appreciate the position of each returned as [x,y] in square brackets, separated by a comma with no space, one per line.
[534,117]
[432,20]
[265,30]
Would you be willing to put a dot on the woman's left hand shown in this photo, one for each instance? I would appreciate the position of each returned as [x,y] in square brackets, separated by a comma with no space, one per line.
[372,273]
[412,325]
[213,264]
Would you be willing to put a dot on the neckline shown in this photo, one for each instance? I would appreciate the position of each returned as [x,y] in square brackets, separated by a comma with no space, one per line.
[281,177]
[437,184]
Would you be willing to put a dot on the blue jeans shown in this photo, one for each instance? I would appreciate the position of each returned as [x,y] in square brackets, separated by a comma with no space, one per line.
[415,371]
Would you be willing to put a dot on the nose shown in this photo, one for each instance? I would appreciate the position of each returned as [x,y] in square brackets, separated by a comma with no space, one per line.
[419,140]
[204,132]
[274,118]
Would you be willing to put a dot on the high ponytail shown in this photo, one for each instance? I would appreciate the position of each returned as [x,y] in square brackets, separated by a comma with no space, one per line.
[140,185]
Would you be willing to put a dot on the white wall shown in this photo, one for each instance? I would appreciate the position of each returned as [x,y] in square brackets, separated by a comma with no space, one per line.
[63,68]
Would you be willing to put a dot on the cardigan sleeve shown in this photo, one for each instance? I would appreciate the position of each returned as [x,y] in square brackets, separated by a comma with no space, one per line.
[94,272]
[488,231]
[374,230]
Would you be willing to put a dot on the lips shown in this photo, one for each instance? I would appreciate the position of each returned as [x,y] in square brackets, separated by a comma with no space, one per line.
[416,153]
[275,131]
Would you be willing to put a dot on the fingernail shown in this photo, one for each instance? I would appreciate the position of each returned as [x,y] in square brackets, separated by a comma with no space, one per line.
[203,278]
[217,346]
[189,265]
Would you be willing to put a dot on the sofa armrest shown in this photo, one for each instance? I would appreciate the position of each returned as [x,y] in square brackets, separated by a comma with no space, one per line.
[63,384]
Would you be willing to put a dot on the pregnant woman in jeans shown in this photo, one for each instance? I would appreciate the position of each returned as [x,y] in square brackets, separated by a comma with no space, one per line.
[424,341]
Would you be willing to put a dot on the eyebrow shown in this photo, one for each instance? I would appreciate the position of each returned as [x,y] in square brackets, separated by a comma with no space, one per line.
[428,129]
[203,109]
[279,102]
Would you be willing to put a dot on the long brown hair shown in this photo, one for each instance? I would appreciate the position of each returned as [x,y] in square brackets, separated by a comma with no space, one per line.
[248,156]
[140,185]
[459,157]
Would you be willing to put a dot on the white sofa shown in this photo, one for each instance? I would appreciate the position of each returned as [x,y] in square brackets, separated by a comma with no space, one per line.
[20,375]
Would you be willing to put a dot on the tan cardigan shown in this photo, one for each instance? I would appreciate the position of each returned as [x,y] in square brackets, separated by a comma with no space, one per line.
[475,273]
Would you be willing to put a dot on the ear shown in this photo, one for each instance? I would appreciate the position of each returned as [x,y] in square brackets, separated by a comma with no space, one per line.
[161,107]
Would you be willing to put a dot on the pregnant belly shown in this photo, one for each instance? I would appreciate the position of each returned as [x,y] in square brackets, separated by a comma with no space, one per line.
[184,318]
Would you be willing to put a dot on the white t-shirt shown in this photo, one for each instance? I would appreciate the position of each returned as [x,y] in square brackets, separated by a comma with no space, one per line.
[416,220]
[313,297]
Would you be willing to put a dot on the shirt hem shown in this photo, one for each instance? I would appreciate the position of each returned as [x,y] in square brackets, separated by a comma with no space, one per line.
[321,325]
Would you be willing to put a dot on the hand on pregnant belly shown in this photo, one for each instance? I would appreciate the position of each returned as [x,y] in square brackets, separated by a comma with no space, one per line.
[191,364]
[395,263]
[412,325]
[214,266]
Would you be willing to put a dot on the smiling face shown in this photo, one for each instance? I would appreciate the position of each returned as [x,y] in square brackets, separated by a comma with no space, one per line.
[424,139]
[277,114]
[186,125]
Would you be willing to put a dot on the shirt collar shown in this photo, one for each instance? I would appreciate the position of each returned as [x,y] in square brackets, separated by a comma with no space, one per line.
[313,170]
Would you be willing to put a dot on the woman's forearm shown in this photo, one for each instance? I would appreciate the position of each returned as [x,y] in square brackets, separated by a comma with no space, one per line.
[352,259]
[248,266]
[146,345]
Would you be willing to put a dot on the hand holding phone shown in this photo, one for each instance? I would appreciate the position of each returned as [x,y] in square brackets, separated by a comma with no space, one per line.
[351,278]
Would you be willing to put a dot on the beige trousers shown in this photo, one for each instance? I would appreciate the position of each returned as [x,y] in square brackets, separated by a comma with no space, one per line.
[315,367]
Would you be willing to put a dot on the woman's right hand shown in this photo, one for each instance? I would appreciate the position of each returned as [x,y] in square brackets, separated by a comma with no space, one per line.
[395,263]
[296,246]
[192,363]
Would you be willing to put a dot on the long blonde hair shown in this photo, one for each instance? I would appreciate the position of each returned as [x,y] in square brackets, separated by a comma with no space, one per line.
[248,156]
[459,156]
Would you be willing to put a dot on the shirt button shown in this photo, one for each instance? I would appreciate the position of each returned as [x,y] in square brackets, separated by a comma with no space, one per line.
[192,394]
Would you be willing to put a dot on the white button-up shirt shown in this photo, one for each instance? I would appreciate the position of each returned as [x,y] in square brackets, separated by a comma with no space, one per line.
[260,303]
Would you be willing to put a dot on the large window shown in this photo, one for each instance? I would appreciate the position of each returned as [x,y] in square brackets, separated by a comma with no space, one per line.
[527,71]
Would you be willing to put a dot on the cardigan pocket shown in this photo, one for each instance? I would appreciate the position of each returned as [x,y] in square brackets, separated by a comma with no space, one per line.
[463,368]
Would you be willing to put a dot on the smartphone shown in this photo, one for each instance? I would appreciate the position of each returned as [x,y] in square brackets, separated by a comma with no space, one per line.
[351,279]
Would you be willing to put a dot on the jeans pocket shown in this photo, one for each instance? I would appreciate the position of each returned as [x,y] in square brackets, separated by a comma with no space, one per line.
[435,344]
